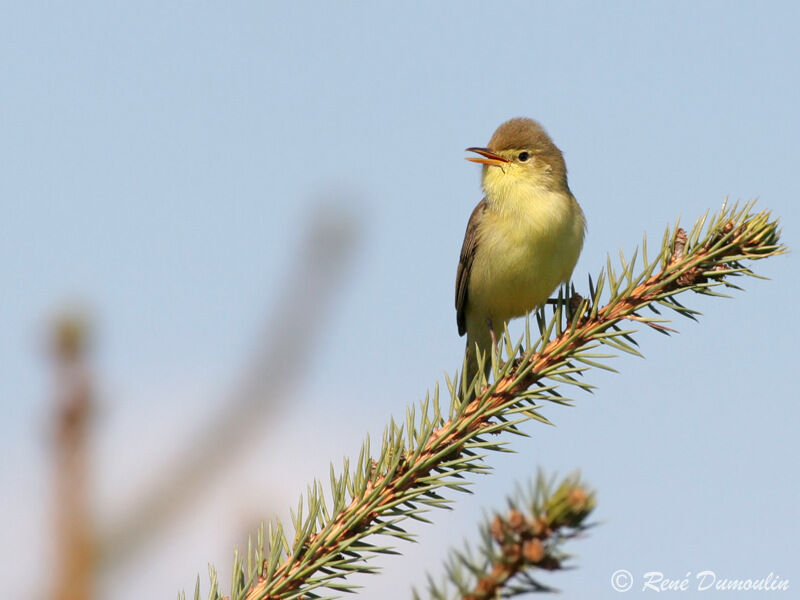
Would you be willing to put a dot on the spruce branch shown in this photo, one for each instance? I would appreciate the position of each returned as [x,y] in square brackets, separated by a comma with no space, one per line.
[433,451]
[513,546]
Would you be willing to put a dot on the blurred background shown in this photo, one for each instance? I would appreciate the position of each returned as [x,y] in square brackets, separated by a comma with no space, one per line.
[228,245]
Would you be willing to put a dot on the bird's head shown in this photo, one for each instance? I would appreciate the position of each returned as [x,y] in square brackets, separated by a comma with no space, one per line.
[521,153]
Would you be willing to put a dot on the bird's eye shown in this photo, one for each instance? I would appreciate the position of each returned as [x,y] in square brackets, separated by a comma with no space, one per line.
[523,156]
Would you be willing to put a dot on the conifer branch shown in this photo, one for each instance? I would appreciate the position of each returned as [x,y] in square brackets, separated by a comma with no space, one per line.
[432,451]
[516,544]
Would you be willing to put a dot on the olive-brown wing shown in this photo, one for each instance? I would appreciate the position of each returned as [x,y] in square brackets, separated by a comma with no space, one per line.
[465,265]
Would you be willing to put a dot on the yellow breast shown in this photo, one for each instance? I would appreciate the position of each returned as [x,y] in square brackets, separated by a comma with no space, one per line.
[528,243]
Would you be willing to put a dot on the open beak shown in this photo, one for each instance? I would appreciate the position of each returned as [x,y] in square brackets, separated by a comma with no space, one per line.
[491,158]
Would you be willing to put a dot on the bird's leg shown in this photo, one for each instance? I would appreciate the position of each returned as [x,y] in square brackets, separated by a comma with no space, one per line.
[491,333]
[495,349]
[572,302]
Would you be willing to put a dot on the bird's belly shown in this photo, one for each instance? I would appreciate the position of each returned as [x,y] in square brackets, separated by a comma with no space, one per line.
[520,266]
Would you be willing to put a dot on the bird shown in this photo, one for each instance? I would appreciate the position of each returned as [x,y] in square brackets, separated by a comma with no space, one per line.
[523,239]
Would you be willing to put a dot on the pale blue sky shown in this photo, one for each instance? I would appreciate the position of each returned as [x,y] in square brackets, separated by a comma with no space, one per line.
[159,161]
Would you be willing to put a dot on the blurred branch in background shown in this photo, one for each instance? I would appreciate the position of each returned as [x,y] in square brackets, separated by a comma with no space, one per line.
[283,347]
[74,571]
